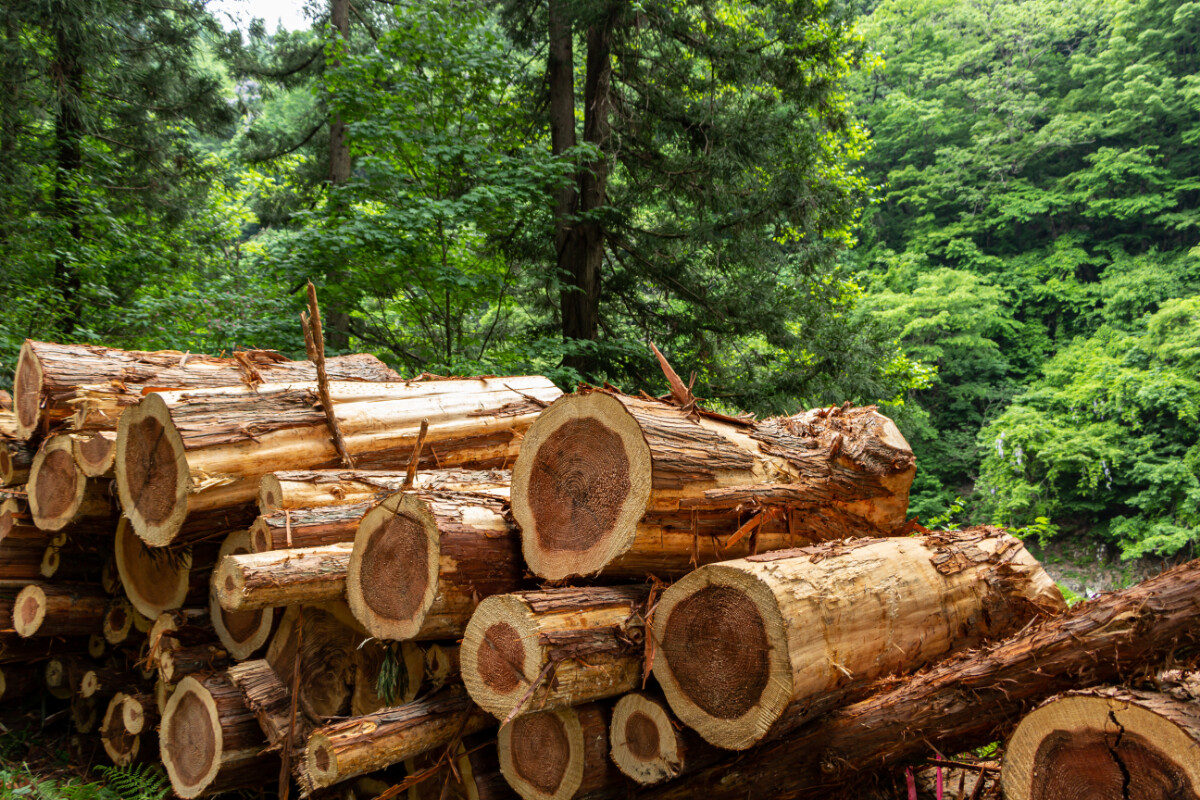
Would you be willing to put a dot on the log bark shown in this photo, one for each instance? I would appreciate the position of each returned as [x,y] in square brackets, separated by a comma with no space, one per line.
[183,627]
[1106,744]
[562,754]
[59,610]
[306,527]
[402,665]
[14,516]
[631,486]
[209,740]
[649,746]
[295,489]
[181,453]
[95,452]
[968,700]
[472,774]
[16,458]
[59,492]
[739,643]
[49,375]
[270,700]
[177,662]
[103,680]
[360,745]
[554,648]
[21,554]
[327,652]
[422,561]
[303,575]
[243,633]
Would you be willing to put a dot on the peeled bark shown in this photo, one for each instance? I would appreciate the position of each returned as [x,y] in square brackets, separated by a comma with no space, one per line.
[1105,744]
[298,489]
[554,648]
[49,375]
[306,527]
[969,700]
[242,633]
[558,755]
[59,492]
[422,561]
[303,575]
[360,745]
[66,610]
[270,700]
[739,643]
[630,486]
[183,453]
[209,740]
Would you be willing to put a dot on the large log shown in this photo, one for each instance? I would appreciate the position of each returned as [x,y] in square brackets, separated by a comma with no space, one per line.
[183,453]
[969,700]
[738,643]
[560,755]
[295,489]
[209,740]
[59,492]
[242,633]
[423,560]
[48,376]
[67,610]
[360,745]
[631,486]
[1106,744]
[158,579]
[250,581]
[554,648]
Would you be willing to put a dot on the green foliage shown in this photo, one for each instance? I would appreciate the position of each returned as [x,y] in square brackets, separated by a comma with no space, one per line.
[391,683]
[137,781]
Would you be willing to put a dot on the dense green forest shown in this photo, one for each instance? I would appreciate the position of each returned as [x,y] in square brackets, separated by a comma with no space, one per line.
[983,215]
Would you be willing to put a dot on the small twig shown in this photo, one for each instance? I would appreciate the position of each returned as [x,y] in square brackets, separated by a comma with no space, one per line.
[314,339]
[285,766]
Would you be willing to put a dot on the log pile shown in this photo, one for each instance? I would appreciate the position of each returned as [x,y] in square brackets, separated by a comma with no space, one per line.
[514,592]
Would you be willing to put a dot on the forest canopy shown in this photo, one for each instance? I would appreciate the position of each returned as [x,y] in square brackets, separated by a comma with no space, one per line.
[980,214]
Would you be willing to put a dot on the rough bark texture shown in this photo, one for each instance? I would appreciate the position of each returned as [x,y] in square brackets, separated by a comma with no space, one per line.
[307,527]
[554,648]
[69,610]
[48,376]
[303,489]
[282,577]
[181,453]
[270,700]
[737,643]
[635,486]
[363,744]
[423,560]
[969,700]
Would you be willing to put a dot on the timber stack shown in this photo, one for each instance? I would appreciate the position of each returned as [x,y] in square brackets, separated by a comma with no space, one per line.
[482,588]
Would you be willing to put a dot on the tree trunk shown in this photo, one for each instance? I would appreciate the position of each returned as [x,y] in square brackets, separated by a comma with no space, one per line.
[739,643]
[554,648]
[1105,744]
[68,610]
[69,131]
[560,755]
[360,745]
[21,556]
[649,746]
[969,700]
[340,163]
[229,439]
[305,489]
[59,492]
[181,627]
[177,662]
[300,576]
[632,486]
[90,386]
[209,740]
[423,560]
[242,633]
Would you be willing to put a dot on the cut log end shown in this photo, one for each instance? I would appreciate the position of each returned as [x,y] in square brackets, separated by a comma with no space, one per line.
[321,760]
[151,471]
[191,738]
[542,755]
[270,495]
[120,743]
[723,655]
[500,654]
[1111,745]
[241,632]
[56,485]
[155,579]
[645,746]
[29,610]
[27,392]
[95,453]
[118,621]
[393,574]
[580,484]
